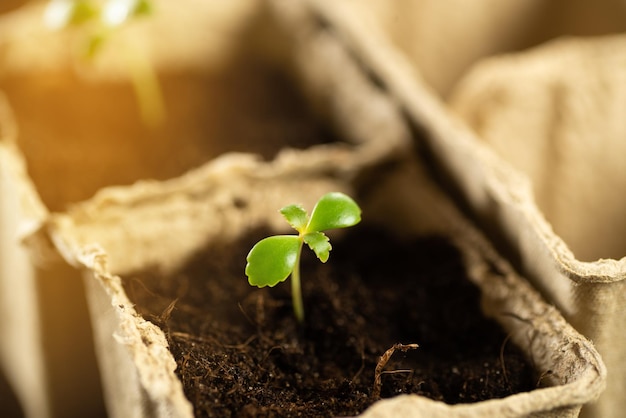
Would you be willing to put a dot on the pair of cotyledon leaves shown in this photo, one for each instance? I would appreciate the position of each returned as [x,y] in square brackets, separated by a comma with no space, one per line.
[273,259]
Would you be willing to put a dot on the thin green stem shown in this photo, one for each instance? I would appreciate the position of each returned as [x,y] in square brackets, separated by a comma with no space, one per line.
[296,291]
[147,88]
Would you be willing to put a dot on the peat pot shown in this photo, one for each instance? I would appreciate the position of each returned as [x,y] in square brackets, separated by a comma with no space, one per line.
[149,254]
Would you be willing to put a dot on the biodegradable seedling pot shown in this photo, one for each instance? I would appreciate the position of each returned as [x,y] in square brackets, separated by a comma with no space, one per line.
[152,230]
[558,119]
[498,196]
[444,39]
[69,128]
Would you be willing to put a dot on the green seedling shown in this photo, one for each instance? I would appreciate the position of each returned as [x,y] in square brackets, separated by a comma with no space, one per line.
[274,259]
[102,17]
[101,20]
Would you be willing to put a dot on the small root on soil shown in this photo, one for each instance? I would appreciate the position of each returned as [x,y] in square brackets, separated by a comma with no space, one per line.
[382,362]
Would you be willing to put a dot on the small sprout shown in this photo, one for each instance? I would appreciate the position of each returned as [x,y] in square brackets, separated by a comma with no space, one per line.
[101,20]
[60,14]
[273,259]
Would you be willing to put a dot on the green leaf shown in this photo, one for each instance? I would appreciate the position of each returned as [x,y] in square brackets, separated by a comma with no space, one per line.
[272,260]
[296,216]
[83,11]
[143,8]
[320,244]
[334,210]
[94,45]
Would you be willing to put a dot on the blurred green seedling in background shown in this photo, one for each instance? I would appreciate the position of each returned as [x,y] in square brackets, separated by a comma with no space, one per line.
[100,20]
[104,16]
[274,259]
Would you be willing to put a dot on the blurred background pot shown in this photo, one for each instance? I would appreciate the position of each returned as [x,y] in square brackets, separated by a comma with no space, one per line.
[555,113]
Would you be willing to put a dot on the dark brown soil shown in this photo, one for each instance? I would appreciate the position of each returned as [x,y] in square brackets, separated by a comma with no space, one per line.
[240,351]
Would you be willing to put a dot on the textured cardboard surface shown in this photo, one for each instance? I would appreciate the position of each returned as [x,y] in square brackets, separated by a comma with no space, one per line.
[501,198]
[202,207]
[444,38]
[21,353]
[556,114]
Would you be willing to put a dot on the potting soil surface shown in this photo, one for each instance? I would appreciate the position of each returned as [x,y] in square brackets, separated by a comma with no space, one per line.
[240,351]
